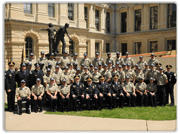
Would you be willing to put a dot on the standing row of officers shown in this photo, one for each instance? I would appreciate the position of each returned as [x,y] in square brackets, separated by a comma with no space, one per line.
[113,82]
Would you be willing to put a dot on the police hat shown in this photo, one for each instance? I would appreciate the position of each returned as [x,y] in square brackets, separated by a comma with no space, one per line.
[140,78]
[48,70]
[23,81]
[105,65]
[11,63]
[141,57]
[139,68]
[91,65]
[78,69]
[137,65]
[109,62]
[74,64]
[99,64]
[68,64]
[66,67]
[115,76]
[56,66]
[117,53]
[96,68]
[85,67]
[113,66]
[51,78]
[31,54]
[75,54]
[158,65]
[23,65]
[42,52]
[97,53]
[49,64]
[36,65]
[127,77]
[146,64]
[152,54]
[127,52]
[41,63]
[152,65]
[65,52]
[76,77]
[128,64]
[38,79]
[52,54]
[160,68]
[63,80]
[58,63]
[89,79]
[102,77]
[108,53]
[29,64]
[168,66]
[151,78]
[117,63]
[124,64]
[85,54]
[82,64]
[120,66]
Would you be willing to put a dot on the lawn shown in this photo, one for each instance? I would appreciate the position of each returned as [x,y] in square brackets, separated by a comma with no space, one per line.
[143,113]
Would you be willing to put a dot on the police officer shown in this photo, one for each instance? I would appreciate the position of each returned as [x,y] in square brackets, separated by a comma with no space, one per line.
[121,75]
[139,74]
[52,90]
[145,72]
[104,91]
[52,61]
[129,60]
[153,60]
[91,92]
[50,67]
[64,92]
[109,66]
[117,91]
[106,74]
[129,89]
[152,90]
[100,69]
[85,75]
[161,81]
[23,94]
[141,92]
[31,60]
[97,60]
[170,85]
[130,72]
[64,60]
[152,73]
[43,59]
[91,69]
[23,74]
[119,59]
[57,75]
[29,67]
[77,92]
[11,86]
[114,71]
[37,92]
[46,78]
[141,62]
[86,61]
[36,74]
[110,59]
[66,76]
[75,60]
[95,76]
[42,69]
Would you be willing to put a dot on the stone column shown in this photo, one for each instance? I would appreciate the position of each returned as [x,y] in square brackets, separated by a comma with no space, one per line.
[63,14]
[102,16]
[92,48]
[80,16]
[92,17]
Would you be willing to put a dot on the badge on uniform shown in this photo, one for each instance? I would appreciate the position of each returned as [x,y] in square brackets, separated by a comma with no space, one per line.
[10,75]
[80,86]
[74,86]
[93,86]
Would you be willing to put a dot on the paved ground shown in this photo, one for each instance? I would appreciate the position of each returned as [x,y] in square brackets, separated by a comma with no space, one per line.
[48,122]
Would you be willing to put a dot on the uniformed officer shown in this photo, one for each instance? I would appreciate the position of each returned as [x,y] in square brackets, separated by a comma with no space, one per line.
[23,94]
[50,67]
[152,73]
[106,74]
[77,73]
[59,64]
[43,59]
[29,67]
[100,69]
[65,75]
[152,90]
[75,66]
[110,59]
[52,90]
[42,69]
[85,75]
[86,61]
[71,70]
[95,76]
[64,60]
[37,92]
[130,72]
[153,60]
[118,58]
[23,74]
[82,68]
[36,74]
[104,91]
[46,78]
[11,86]
[75,60]
[124,66]
[97,60]
[64,92]
[52,61]
[129,60]
[145,72]
[136,68]
[77,92]
[31,60]
[91,92]
[121,75]
[141,62]
[117,92]
[170,85]
[161,91]
[57,75]
[117,65]
[141,92]
[139,74]
[129,89]
[159,65]
[91,69]
[114,71]
[109,66]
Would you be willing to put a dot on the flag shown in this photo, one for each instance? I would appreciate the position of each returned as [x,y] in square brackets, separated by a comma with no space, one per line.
[23,56]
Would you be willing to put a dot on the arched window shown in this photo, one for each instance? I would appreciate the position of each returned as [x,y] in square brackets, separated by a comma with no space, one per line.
[29,46]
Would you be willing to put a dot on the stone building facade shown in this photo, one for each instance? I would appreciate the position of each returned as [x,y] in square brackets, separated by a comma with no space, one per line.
[94,27]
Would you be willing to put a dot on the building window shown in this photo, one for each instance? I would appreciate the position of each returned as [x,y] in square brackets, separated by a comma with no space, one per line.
[71,11]
[29,46]
[138,20]
[137,47]
[171,15]
[27,8]
[171,45]
[153,17]
[123,22]
[108,22]
[153,46]
[86,16]
[51,10]
[97,19]
[96,47]
[107,47]
[123,48]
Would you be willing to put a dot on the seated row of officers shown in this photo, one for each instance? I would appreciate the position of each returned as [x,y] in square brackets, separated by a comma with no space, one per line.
[112,83]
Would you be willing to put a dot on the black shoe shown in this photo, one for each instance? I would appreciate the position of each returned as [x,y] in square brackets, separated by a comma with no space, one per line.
[35,111]
[20,113]
[29,112]
[162,105]
[10,110]
[40,110]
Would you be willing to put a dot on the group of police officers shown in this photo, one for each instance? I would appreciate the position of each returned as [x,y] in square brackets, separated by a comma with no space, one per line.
[110,82]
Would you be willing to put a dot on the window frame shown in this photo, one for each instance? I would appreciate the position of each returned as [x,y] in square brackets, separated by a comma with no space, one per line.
[97,19]
[108,27]
[135,21]
[25,8]
[71,10]
[123,22]
[51,5]
[27,50]
[169,24]
[153,18]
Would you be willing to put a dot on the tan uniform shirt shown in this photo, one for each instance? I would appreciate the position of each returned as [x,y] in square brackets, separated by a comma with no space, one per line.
[100,71]
[96,61]
[110,59]
[128,86]
[151,87]
[145,72]
[64,60]
[84,76]
[141,86]
[161,77]
[87,62]
[130,61]
[53,62]
[130,73]
[46,78]
[43,60]
[57,77]
[67,77]
[139,75]
[75,61]
[23,92]
[152,74]
[120,60]
[31,61]
[107,74]
[154,61]
[37,90]
[121,75]
[95,77]
[64,89]
[51,88]
[142,64]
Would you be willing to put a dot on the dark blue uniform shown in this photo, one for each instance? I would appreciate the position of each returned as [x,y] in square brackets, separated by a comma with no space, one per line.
[23,75]
[117,89]
[78,90]
[10,84]
[35,74]
[170,86]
